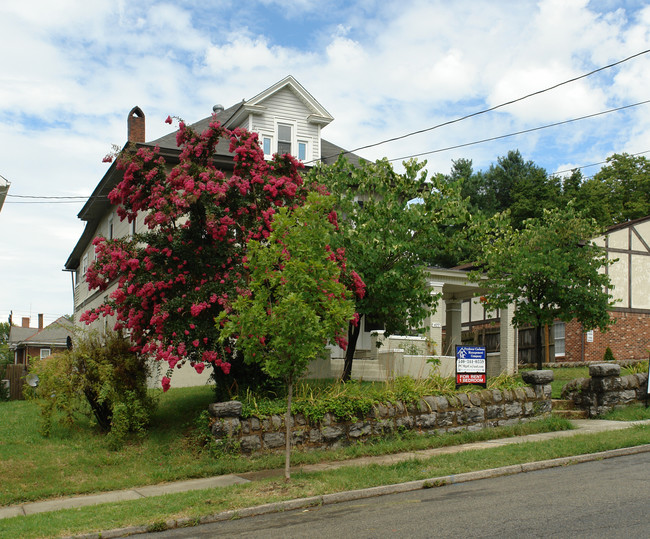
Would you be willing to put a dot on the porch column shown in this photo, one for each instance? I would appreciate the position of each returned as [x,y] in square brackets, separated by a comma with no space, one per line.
[508,337]
[435,320]
[454,321]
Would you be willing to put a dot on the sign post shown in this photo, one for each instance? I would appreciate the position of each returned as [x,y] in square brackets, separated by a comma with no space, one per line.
[471,365]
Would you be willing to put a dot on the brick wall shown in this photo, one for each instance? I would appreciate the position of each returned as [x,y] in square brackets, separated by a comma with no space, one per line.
[628,337]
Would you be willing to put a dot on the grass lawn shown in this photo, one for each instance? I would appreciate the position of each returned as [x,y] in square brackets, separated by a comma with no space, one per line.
[153,512]
[76,460]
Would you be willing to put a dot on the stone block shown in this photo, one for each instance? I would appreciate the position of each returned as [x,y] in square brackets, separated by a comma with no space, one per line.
[494,411]
[225,426]
[382,426]
[497,396]
[225,409]
[537,378]
[359,430]
[471,415]
[513,409]
[463,399]
[332,433]
[404,422]
[315,436]
[442,403]
[255,424]
[600,370]
[250,444]
[273,440]
[475,399]
[427,404]
[426,421]
[520,394]
[446,419]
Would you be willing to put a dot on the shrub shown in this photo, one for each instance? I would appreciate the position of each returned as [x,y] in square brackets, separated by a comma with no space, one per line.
[609,355]
[103,373]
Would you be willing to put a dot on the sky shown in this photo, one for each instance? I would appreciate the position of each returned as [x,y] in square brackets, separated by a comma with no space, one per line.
[71,70]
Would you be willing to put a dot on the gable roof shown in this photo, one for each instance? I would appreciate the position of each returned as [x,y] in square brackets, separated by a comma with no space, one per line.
[55,334]
[98,204]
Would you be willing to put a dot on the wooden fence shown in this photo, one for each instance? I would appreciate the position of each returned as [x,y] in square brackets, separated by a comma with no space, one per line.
[16,376]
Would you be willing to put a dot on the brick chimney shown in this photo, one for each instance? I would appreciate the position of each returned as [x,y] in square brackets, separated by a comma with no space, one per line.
[25,321]
[40,321]
[135,125]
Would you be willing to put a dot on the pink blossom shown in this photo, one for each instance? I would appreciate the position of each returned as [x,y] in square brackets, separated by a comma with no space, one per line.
[168,120]
[166,382]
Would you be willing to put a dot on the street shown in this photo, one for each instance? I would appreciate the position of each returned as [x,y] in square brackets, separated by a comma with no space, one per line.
[601,499]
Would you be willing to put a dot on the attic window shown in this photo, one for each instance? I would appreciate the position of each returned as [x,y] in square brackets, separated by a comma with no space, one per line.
[284,138]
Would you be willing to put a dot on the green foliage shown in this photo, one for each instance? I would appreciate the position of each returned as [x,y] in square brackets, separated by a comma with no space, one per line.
[640,367]
[296,302]
[548,270]
[102,374]
[609,355]
[392,227]
[5,353]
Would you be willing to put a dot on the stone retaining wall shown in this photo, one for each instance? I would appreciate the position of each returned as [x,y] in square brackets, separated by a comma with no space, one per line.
[606,389]
[464,411]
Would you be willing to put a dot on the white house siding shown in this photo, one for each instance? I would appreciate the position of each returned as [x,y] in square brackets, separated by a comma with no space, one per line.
[285,106]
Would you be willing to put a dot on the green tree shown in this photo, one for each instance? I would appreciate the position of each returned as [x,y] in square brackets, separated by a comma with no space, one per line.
[295,301]
[626,179]
[549,270]
[392,227]
[511,184]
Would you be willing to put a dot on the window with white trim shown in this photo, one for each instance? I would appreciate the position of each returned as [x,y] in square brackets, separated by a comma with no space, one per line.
[84,265]
[303,147]
[45,352]
[559,331]
[285,138]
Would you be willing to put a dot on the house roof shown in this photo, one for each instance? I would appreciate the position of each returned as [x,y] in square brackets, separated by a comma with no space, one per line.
[55,334]
[626,224]
[98,204]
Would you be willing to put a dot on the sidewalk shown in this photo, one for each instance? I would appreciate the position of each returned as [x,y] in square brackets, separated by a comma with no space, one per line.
[582,426]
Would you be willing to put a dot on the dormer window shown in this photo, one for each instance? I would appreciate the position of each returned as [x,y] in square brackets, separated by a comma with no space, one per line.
[284,138]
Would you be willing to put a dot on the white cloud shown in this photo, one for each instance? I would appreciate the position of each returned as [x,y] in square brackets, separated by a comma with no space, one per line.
[76,68]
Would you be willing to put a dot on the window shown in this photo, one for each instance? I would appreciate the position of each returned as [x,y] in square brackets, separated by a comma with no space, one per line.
[302,150]
[84,265]
[45,352]
[284,138]
[559,337]
[266,145]
[110,228]
[133,225]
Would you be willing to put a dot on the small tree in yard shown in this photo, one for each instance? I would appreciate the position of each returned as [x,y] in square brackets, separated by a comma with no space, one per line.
[295,301]
[548,270]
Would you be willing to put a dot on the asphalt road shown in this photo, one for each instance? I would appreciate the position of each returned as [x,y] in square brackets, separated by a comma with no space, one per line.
[601,499]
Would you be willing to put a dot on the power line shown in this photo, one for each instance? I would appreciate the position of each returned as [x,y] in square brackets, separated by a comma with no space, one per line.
[538,92]
[593,164]
[519,132]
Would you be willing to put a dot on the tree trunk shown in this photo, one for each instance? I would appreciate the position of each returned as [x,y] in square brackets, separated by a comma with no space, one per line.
[287,424]
[353,337]
[538,345]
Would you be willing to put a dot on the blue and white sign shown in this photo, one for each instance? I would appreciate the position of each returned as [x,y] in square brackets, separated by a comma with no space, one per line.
[471,365]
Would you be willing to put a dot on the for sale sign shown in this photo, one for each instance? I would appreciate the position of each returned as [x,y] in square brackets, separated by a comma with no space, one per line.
[471,365]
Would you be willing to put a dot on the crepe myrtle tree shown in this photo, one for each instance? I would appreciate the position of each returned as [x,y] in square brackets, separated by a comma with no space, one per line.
[393,225]
[296,300]
[549,269]
[170,282]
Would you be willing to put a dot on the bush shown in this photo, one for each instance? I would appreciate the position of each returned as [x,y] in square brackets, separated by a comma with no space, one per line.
[609,355]
[100,372]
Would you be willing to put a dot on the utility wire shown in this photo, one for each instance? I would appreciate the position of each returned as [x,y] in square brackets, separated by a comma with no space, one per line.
[519,132]
[478,113]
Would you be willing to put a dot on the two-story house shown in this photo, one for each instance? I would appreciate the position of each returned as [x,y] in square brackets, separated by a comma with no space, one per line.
[287,119]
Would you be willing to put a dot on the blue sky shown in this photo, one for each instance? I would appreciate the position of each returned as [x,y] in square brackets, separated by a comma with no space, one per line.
[71,70]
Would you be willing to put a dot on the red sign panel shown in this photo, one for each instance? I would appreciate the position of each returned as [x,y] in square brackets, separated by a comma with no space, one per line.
[471,378]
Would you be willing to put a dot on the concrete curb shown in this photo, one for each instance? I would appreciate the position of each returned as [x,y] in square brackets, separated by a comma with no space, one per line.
[338,497]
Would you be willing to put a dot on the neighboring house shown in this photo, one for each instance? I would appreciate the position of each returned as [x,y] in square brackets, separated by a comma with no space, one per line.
[285,116]
[40,342]
[628,244]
